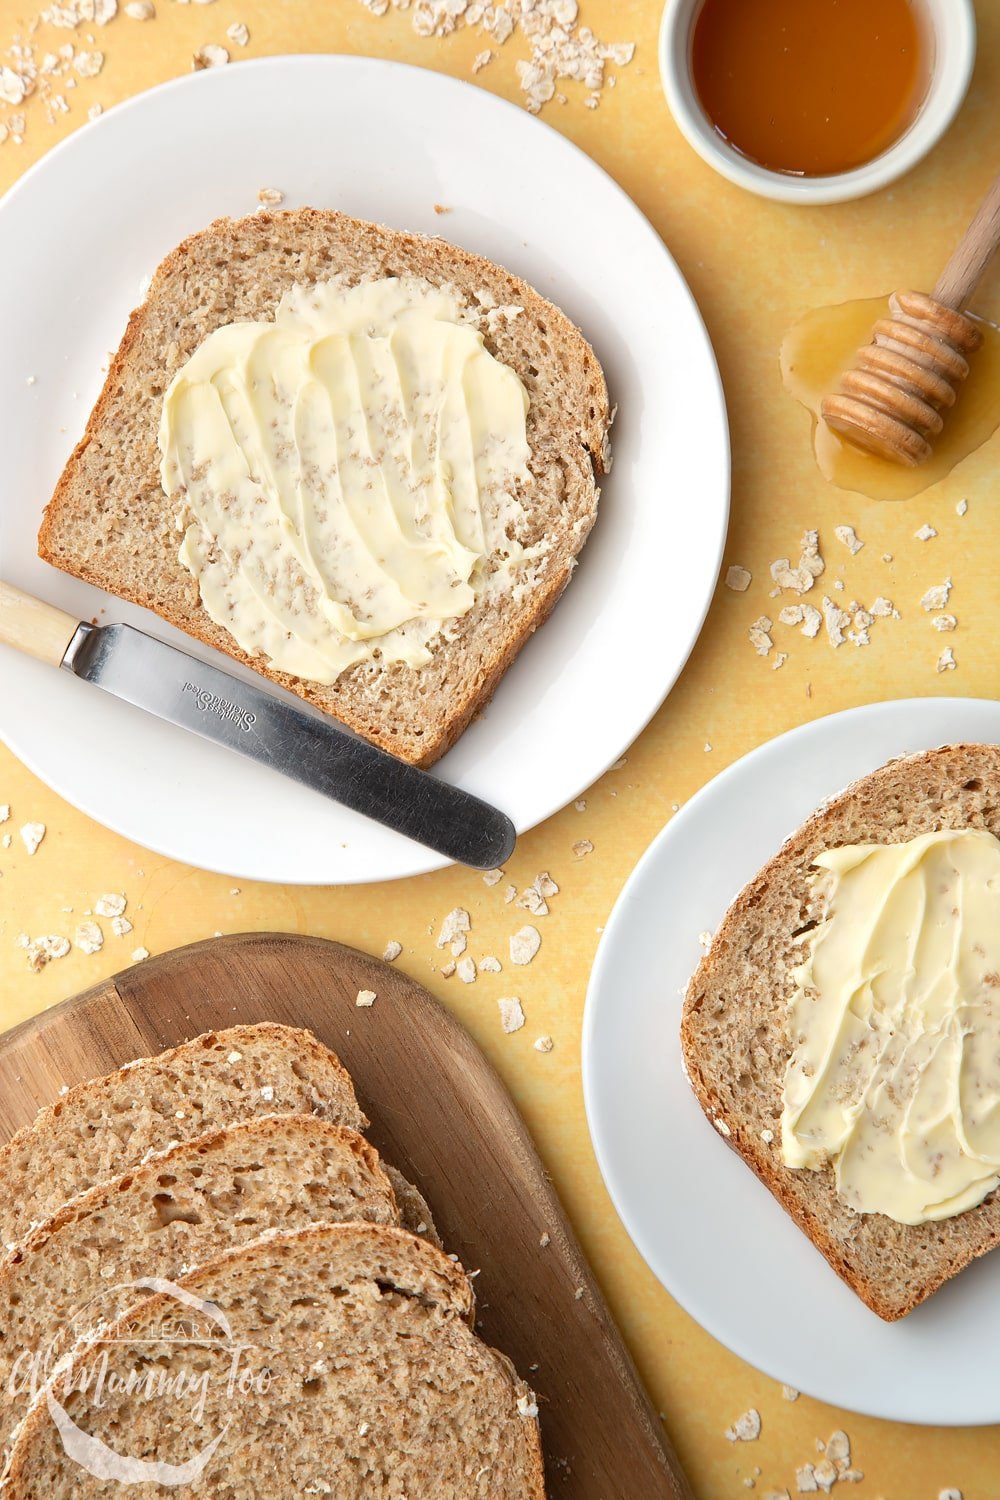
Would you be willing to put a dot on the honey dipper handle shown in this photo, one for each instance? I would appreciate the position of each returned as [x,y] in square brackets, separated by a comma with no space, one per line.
[975,250]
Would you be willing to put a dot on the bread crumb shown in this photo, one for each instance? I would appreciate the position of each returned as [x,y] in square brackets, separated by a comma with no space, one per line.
[582,847]
[524,945]
[944,622]
[937,596]
[511,1013]
[366,999]
[439,208]
[543,1044]
[211,55]
[767,1136]
[111,905]
[89,937]
[746,1428]
[492,877]
[738,579]
[32,835]
[138,954]
[544,1239]
[759,633]
[527,1406]
[235,1057]
[267,1091]
[238,33]
[925,534]
[946,661]
[391,951]
[270,196]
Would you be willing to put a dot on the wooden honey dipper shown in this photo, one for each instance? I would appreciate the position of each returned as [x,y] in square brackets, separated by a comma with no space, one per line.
[890,401]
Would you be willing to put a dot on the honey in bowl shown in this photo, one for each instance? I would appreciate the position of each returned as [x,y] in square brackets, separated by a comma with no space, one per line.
[811,87]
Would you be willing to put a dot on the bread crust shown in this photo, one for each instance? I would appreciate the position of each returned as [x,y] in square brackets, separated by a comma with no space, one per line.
[420,739]
[954,786]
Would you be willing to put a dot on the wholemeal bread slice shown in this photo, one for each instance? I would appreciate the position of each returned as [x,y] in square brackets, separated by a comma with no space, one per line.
[93,1260]
[377,1385]
[110,523]
[100,1129]
[736,1041]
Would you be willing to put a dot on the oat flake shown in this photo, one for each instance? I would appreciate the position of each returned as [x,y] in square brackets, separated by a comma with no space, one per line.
[524,945]
[392,951]
[210,56]
[32,834]
[511,1014]
[746,1428]
[111,905]
[89,937]
[366,999]
[738,579]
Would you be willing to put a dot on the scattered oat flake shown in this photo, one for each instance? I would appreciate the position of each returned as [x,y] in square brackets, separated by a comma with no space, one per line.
[140,10]
[490,965]
[524,945]
[837,621]
[466,970]
[583,847]
[944,622]
[89,937]
[455,925]
[94,111]
[960,510]
[882,609]
[937,596]
[946,661]
[32,834]
[738,579]
[270,196]
[509,894]
[850,539]
[949,1495]
[779,660]
[366,999]
[88,64]
[138,954]
[511,1013]
[580,804]
[481,59]
[40,950]
[543,1044]
[760,637]
[120,926]
[746,1429]
[805,1480]
[527,1406]
[4,811]
[492,877]
[447,970]
[789,1393]
[392,951]
[925,534]
[238,33]
[111,905]
[210,56]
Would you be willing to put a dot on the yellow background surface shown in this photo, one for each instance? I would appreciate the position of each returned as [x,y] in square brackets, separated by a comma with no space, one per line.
[754,267]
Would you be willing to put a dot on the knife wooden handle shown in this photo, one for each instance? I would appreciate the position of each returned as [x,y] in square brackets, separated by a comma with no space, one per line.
[38,629]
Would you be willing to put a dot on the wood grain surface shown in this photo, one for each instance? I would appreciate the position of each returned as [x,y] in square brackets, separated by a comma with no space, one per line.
[440,1113]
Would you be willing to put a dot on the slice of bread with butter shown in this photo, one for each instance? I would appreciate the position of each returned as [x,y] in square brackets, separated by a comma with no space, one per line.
[842,1033]
[362,462]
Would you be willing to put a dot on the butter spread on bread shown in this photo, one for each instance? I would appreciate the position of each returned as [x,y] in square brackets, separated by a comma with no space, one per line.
[347,476]
[895,1019]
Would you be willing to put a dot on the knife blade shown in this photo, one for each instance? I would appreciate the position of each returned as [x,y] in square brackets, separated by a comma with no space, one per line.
[167,682]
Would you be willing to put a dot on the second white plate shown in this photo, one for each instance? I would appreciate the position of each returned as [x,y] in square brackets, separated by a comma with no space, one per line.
[385,142]
[708,1229]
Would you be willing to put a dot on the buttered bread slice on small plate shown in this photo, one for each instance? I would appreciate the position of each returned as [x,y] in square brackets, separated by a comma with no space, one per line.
[842,1032]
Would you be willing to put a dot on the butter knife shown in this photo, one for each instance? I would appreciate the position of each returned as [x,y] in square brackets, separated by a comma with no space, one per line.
[299,744]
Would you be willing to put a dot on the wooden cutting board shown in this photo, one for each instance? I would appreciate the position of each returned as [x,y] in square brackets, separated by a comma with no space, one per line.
[441,1114]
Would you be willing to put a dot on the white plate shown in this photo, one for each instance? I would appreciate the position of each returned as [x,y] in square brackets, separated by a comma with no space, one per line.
[708,1229]
[387,142]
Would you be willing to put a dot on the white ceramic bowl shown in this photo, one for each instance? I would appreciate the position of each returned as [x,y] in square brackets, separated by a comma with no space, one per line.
[953,27]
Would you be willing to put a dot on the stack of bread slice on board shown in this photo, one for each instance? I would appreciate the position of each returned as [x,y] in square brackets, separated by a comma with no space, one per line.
[212,1285]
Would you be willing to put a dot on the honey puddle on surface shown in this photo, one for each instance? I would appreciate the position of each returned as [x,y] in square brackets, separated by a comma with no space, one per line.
[823,343]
